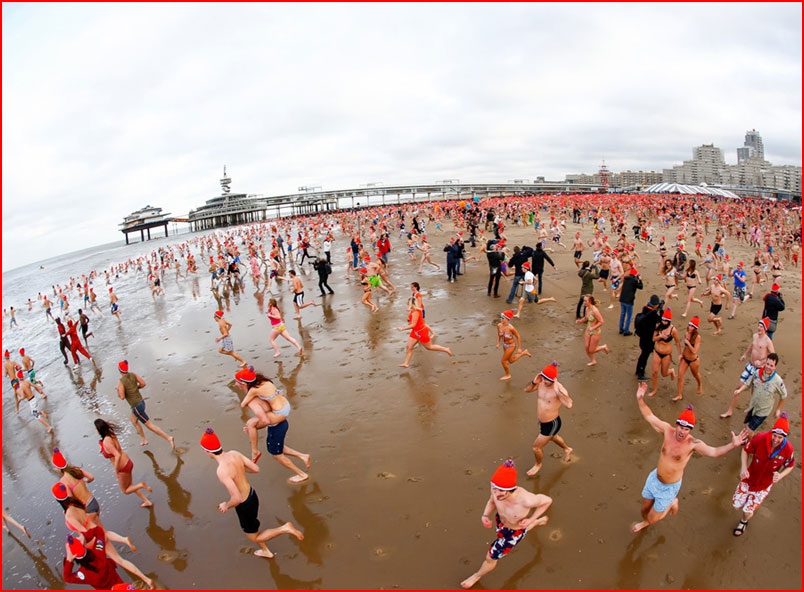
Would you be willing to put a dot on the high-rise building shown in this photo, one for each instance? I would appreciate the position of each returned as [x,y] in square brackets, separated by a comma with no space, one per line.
[752,147]
[705,167]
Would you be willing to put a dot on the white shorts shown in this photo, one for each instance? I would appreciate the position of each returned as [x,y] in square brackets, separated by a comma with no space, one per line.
[34,406]
[747,500]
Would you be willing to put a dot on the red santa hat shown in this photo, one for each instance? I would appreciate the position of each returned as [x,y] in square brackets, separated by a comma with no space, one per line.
[775,288]
[123,367]
[507,314]
[550,372]
[687,418]
[77,548]
[695,322]
[218,314]
[58,459]
[246,375]
[667,315]
[765,322]
[210,442]
[505,476]
[60,491]
[22,351]
[782,426]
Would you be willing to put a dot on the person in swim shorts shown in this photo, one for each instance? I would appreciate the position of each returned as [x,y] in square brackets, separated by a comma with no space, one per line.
[232,468]
[513,519]
[664,482]
[227,347]
[128,388]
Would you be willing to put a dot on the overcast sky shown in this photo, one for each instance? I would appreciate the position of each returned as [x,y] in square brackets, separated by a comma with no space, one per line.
[107,108]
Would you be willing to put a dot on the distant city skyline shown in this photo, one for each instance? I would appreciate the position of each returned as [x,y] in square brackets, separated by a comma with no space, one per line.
[109,107]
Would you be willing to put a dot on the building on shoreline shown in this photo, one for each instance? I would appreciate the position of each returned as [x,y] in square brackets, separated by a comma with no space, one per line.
[143,220]
[227,209]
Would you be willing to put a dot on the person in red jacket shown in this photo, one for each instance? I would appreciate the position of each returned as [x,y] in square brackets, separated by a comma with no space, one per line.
[773,461]
[75,343]
[94,567]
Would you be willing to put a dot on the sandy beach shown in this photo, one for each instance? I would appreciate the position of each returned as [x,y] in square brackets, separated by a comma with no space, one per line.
[401,458]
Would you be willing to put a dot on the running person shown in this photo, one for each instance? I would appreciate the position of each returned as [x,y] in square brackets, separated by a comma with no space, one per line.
[128,388]
[513,517]
[664,482]
[510,338]
[551,395]
[271,408]
[232,468]
[298,294]
[663,336]
[23,391]
[690,357]
[110,448]
[594,322]
[419,332]
[227,347]
[278,328]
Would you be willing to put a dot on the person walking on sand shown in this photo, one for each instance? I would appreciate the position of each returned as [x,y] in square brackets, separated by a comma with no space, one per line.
[529,290]
[227,347]
[110,448]
[664,482]
[510,338]
[761,346]
[271,409]
[231,472]
[298,294]
[690,358]
[419,332]
[75,342]
[128,388]
[513,518]
[278,327]
[594,322]
[773,460]
[765,385]
[365,284]
[588,273]
[551,395]
[663,336]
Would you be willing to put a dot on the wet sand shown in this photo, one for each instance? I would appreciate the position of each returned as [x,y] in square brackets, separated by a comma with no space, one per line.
[402,457]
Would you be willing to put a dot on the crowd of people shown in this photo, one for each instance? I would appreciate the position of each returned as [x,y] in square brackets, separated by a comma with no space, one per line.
[273,256]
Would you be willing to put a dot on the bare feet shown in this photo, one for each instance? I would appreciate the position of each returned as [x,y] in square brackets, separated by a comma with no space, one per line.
[290,529]
[404,366]
[144,443]
[591,364]
[297,317]
[678,398]
[277,354]
[306,459]
[725,415]
[298,478]
[147,488]
[130,544]
[50,429]
[267,554]
[508,377]
[146,504]
[567,455]
[606,349]
[149,582]
[243,365]
[527,353]
[172,441]
[534,469]
[672,373]
[639,526]
[470,581]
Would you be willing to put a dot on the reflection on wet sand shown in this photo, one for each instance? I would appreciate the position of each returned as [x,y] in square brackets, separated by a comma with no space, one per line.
[40,563]
[314,526]
[166,541]
[629,568]
[178,497]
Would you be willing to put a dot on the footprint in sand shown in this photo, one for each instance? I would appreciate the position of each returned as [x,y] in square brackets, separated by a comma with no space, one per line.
[246,550]
[167,556]
[555,535]
[380,552]
[180,450]
[386,475]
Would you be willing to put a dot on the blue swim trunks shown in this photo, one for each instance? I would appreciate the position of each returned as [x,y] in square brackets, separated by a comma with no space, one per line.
[662,493]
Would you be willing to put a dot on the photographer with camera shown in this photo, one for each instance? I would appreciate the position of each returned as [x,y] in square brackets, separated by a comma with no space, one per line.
[773,306]
[644,326]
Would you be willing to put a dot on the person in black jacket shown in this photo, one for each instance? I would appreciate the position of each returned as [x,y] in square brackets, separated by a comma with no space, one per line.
[644,325]
[495,258]
[537,261]
[516,261]
[453,252]
[323,269]
[773,306]
[631,283]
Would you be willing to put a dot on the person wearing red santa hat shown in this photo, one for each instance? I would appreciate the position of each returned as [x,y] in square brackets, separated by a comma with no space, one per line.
[689,357]
[663,336]
[551,395]
[510,338]
[513,517]
[772,461]
[664,482]
[232,468]
[717,292]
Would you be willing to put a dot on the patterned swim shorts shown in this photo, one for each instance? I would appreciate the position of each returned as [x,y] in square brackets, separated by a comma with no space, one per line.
[749,501]
[507,539]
